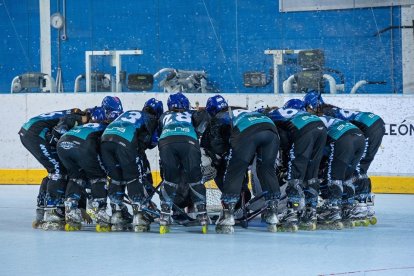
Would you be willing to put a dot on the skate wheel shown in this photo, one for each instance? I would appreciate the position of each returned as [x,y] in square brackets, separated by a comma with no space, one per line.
[365,223]
[37,224]
[44,226]
[373,220]
[52,226]
[224,229]
[204,229]
[349,224]
[289,228]
[308,227]
[338,226]
[69,227]
[164,229]
[117,228]
[272,228]
[141,228]
[102,228]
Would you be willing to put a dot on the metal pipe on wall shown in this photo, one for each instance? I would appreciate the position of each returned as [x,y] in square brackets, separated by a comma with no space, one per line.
[45,46]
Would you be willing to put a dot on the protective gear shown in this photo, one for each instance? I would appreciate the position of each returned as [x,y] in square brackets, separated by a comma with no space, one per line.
[113,115]
[313,100]
[154,107]
[216,104]
[110,103]
[260,110]
[295,104]
[98,114]
[178,101]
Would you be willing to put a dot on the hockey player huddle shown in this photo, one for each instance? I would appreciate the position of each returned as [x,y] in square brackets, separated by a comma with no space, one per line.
[309,163]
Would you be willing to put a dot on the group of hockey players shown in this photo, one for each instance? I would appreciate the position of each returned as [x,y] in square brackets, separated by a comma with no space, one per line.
[309,158]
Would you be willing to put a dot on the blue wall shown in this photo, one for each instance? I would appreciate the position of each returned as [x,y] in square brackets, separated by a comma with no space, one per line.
[225,38]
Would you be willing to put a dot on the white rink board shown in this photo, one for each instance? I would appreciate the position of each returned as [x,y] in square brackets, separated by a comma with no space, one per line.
[395,156]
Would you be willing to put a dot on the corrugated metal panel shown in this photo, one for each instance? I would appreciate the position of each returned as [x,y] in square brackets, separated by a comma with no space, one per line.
[312,5]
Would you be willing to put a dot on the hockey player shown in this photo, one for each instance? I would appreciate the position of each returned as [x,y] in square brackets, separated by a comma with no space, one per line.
[345,146]
[373,128]
[39,137]
[123,146]
[78,149]
[244,134]
[180,154]
[304,137]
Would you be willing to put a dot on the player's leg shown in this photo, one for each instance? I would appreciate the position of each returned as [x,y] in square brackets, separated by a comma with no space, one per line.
[266,173]
[352,209]
[135,175]
[242,152]
[95,173]
[329,213]
[40,210]
[171,165]
[42,151]
[363,193]
[70,154]
[190,156]
[308,217]
[299,155]
[116,186]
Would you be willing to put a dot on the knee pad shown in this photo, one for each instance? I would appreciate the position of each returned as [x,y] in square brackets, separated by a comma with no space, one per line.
[98,187]
[335,189]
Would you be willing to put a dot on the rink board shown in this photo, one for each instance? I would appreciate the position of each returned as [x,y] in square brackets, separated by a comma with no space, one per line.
[380,184]
[392,170]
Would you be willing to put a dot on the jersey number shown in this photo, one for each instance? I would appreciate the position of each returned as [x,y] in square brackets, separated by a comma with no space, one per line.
[182,117]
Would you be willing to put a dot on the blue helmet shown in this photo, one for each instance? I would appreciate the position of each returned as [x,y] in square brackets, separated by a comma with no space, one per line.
[260,110]
[178,101]
[154,107]
[216,104]
[313,100]
[110,103]
[295,104]
[113,115]
[98,114]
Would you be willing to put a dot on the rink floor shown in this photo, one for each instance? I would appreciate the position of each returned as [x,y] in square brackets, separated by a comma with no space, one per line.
[384,249]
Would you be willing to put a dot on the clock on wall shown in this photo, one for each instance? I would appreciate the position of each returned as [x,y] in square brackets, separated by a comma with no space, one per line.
[57,20]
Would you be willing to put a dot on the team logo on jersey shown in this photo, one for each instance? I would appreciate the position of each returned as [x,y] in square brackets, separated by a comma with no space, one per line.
[66,145]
